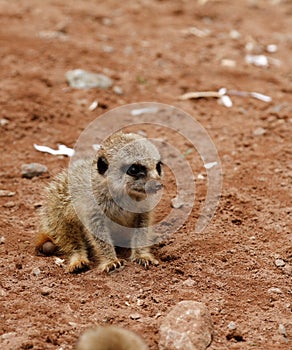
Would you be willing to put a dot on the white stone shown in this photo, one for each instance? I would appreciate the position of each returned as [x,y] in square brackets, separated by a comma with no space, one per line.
[188,326]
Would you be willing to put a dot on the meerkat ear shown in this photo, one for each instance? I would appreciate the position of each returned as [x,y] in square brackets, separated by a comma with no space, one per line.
[102,165]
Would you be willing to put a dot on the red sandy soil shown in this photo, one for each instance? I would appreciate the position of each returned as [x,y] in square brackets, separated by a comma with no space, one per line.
[152,58]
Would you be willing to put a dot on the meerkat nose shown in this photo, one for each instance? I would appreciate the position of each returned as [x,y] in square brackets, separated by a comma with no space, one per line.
[153,186]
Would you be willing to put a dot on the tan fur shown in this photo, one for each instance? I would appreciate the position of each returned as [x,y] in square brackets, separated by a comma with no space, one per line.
[110,338]
[85,208]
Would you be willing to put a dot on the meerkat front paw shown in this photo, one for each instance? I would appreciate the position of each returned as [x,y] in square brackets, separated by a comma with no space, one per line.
[144,259]
[111,266]
[78,263]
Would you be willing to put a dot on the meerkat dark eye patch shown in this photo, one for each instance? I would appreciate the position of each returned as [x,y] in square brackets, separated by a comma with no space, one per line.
[158,168]
[102,165]
[137,171]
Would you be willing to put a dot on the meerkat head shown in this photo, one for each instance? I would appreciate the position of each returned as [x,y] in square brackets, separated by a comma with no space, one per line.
[132,166]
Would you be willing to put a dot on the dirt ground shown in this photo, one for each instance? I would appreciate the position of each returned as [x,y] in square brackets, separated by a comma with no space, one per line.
[147,48]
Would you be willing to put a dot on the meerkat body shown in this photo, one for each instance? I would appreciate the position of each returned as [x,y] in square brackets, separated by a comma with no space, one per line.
[102,203]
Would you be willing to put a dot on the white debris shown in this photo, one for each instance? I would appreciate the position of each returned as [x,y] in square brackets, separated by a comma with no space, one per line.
[272,48]
[3,121]
[201,177]
[93,106]
[2,240]
[62,150]
[225,100]
[149,110]
[257,60]
[59,261]
[210,165]
[261,97]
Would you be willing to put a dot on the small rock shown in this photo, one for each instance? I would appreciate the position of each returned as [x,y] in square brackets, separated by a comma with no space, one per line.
[259,131]
[9,204]
[6,193]
[33,169]
[275,290]
[3,122]
[232,326]
[81,79]
[176,203]
[36,271]
[135,316]
[188,326]
[287,269]
[45,291]
[118,90]
[2,240]
[280,263]
[282,330]
[189,282]
[59,261]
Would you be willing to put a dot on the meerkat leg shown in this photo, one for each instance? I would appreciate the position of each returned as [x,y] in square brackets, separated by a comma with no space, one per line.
[141,250]
[108,259]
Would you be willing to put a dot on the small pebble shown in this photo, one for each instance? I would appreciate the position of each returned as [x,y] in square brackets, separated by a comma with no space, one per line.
[282,330]
[232,326]
[9,204]
[6,193]
[189,282]
[274,290]
[33,169]
[2,240]
[118,90]
[176,203]
[3,122]
[280,263]
[81,79]
[287,269]
[135,316]
[259,131]
[36,271]
[45,291]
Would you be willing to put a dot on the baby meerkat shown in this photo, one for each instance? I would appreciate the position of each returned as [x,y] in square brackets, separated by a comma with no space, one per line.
[102,203]
[110,338]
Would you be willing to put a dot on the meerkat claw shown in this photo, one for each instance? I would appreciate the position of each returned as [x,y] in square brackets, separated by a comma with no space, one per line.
[112,266]
[146,261]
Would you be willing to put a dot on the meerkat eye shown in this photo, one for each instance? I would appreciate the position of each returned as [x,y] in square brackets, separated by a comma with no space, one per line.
[102,165]
[137,171]
[158,168]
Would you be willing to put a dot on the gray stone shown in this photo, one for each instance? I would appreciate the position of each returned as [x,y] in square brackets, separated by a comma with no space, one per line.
[188,326]
[33,169]
[81,79]
[280,263]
